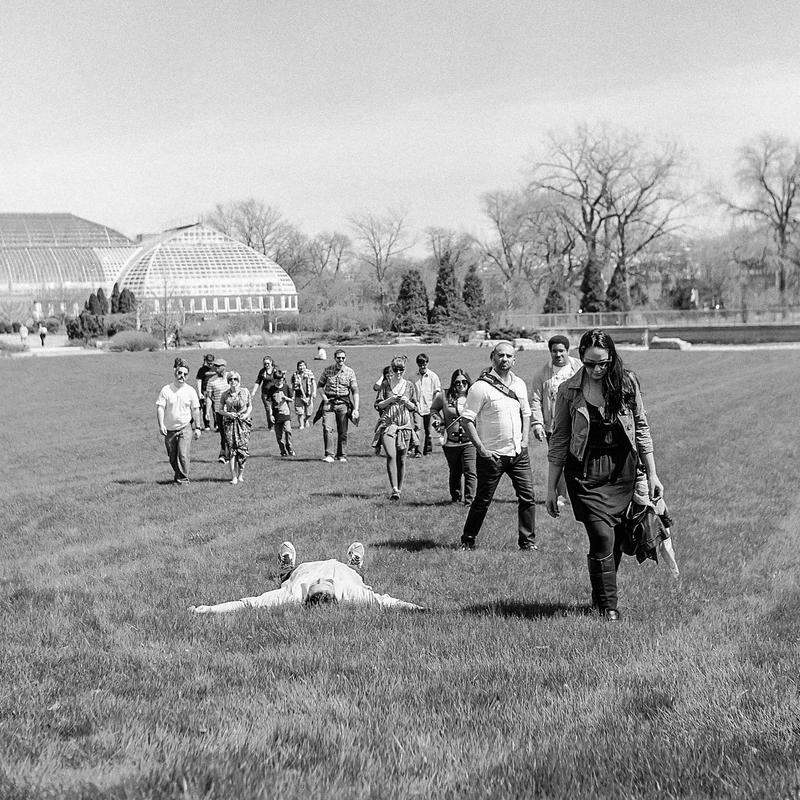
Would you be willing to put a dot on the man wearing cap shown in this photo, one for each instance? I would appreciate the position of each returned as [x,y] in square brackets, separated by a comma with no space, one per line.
[215,388]
[265,380]
[204,374]
[339,404]
[428,386]
[315,582]
[544,390]
[496,418]
[177,408]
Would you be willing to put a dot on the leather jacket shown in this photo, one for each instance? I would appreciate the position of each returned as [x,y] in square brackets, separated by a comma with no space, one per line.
[571,423]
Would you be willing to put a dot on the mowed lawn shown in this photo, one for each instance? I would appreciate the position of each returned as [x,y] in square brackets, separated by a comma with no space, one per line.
[506,688]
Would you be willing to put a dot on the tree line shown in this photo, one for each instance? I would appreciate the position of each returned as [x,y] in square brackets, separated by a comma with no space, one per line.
[606,219]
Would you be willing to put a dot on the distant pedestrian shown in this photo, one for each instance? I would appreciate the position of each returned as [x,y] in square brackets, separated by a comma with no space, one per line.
[338,405]
[264,382]
[204,375]
[544,390]
[23,334]
[457,448]
[321,354]
[304,392]
[396,402]
[496,418]
[42,332]
[237,408]
[429,387]
[215,388]
[280,395]
[177,409]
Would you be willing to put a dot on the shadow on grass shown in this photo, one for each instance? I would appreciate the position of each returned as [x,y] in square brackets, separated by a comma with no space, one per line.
[515,608]
[167,482]
[410,545]
[430,503]
[359,495]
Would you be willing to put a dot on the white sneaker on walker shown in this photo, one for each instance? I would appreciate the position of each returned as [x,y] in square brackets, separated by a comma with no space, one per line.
[355,555]
[287,556]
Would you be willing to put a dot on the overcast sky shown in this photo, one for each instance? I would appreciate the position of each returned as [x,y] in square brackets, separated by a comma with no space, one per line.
[139,113]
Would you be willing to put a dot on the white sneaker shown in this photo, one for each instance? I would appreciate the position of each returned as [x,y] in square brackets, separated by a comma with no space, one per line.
[355,555]
[342,458]
[561,503]
[328,459]
[234,481]
[287,556]
[241,479]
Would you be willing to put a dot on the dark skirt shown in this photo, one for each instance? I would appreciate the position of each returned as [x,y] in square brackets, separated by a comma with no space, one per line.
[606,489]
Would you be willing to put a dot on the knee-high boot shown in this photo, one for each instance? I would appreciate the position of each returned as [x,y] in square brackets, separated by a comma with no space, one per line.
[603,577]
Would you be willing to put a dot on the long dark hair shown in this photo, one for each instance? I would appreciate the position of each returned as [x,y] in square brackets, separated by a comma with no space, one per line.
[618,383]
[451,392]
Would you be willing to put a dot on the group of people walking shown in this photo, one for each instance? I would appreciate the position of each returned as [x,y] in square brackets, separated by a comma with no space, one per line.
[588,410]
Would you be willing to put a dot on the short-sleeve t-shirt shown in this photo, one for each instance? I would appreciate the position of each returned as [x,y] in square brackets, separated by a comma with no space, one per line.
[280,402]
[178,404]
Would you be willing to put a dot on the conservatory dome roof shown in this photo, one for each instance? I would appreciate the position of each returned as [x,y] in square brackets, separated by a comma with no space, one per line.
[199,260]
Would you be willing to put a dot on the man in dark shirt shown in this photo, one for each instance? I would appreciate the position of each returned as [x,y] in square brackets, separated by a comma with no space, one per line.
[265,381]
[204,374]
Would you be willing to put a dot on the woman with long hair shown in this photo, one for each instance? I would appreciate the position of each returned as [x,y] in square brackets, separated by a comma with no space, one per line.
[457,448]
[600,435]
[237,408]
[396,402]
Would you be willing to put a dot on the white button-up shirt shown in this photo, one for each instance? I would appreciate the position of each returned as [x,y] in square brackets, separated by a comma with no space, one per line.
[497,418]
[428,385]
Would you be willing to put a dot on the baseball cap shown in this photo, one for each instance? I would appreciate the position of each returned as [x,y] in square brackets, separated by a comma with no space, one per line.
[220,362]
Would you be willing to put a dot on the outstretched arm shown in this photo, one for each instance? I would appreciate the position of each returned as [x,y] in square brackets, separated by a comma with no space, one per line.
[275,597]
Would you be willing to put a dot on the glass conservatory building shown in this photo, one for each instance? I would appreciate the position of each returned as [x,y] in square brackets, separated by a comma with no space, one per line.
[203,271]
[54,261]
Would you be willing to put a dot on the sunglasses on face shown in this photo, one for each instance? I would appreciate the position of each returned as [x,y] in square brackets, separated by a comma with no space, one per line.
[181,373]
[596,364]
[398,369]
[340,358]
[231,380]
[459,383]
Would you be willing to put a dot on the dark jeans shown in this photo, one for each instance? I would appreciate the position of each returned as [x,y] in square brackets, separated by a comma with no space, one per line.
[177,443]
[461,461]
[427,446]
[490,470]
[283,434]
[223,445]
[268,411]
[338,412]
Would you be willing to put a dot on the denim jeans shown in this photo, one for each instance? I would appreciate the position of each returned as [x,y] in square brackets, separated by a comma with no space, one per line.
[338,413]
[490,470]
[461,462]
[283,435]
[177,443]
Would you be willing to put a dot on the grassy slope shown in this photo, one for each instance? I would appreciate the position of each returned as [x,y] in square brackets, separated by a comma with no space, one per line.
[108,688]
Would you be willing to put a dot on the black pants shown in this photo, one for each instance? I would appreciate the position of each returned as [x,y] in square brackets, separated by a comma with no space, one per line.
[223,445]
[490,470]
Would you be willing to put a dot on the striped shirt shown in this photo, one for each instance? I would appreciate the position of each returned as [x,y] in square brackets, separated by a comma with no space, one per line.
[216,387]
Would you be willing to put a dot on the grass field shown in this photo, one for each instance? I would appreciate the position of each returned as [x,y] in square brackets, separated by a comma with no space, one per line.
[507,688]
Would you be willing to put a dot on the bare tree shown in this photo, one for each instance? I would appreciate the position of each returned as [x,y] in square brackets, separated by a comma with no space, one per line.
[446,243]
[616,194]
[768,174]
[254,223]
[328,252]
[382,239]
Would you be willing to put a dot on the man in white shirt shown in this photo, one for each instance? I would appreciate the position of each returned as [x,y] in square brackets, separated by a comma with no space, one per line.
[177,407]
[428,386]
[315,582]
[496,418]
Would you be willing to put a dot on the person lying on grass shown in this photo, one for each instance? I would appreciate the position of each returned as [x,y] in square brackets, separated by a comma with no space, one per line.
[313,583]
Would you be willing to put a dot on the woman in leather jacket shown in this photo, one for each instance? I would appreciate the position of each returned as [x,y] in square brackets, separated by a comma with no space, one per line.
[600,435]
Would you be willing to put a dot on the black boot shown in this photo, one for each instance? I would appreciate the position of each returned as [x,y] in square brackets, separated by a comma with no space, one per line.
[603,577]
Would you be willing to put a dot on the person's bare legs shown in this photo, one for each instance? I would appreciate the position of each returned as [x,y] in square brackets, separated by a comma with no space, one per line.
[390,448]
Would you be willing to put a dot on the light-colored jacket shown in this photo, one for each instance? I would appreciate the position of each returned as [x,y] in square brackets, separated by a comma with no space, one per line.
[544,391]
[571,423]
[348,587]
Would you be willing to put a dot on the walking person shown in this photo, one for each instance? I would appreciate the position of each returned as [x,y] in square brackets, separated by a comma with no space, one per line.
[457,448]
[396,402]
[304,392]
[42,332]
[600,435]
[279,398]
[177,409]
[203,376]
[338,405]
[217,386]
[544,389]
[496,418]
[265,381]
[429,387]
[237,409]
